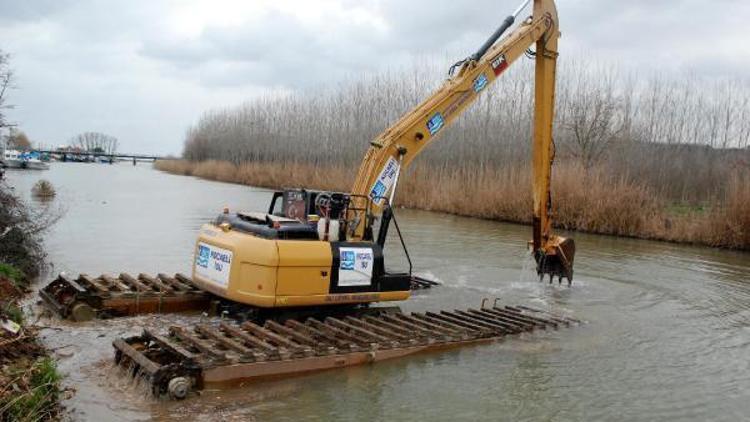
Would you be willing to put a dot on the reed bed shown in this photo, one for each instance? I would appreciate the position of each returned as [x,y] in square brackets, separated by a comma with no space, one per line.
[588,200]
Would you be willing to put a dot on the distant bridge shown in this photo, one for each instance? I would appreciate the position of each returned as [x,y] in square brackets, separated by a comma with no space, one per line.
[112,157]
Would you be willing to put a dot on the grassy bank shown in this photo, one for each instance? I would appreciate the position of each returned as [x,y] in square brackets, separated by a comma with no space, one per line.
[592,201]
[29,381]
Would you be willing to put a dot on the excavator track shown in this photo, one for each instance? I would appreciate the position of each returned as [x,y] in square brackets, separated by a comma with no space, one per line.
[188,358]
[85,297]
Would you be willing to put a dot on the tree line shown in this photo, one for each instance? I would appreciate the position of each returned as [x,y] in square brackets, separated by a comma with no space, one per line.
[681,135]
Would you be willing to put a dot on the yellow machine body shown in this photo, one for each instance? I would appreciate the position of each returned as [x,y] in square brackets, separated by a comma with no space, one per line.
[270,273]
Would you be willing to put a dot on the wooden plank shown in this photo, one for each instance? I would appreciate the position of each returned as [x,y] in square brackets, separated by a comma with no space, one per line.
[256,342]
[269,335]
[441,324]
[332,340]
[117,283]
[489,322]
[129,279]
[155,282]
[396,329]
[513,317]
[63,279]
[527,323]
[197,343]
[382,340]
[304,340]
[545,321]
[550,314]
[433,331]
[182,278]
[456,322]
[171,346]
[395,337]
[245,352]
[483,326]
[174,283]
[368,325]
[413,324]
[94,284]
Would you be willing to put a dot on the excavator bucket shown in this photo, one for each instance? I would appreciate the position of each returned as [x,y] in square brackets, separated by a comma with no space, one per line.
[556,260]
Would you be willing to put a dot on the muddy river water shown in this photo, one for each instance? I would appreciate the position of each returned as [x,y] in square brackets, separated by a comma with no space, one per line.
[667,334]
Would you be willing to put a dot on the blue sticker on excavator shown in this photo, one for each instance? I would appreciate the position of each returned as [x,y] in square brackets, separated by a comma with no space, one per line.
[435,123]
[480,82]
[378,191]
[203,254]
[347,260]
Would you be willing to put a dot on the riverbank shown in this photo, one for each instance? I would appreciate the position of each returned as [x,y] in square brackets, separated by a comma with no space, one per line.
[29,381]
[589,201]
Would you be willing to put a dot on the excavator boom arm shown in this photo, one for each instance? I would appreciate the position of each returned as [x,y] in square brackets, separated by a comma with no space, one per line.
[393,150]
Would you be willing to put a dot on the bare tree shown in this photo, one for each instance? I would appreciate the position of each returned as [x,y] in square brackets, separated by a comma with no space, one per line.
[6,83]
[594,115]
[18,140]
[95,142]
[672,133]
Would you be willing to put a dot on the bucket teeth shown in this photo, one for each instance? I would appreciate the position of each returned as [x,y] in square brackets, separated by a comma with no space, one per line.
[556,260]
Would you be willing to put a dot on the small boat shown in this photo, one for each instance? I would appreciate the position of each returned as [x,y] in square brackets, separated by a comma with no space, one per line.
[23,160]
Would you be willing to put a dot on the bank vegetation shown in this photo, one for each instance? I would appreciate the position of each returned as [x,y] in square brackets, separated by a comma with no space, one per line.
[29,382]
[653,156]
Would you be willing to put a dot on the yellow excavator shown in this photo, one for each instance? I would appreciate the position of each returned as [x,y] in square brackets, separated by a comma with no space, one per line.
[313,248]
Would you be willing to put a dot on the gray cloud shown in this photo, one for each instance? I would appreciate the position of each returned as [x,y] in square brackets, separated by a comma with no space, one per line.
[143,70]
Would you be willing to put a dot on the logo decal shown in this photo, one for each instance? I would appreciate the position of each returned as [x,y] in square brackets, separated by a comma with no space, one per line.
[213,264]
[435,123]
[355,266]
[480,82]
[347,260]
[384,181]
[203,254]
[499,64]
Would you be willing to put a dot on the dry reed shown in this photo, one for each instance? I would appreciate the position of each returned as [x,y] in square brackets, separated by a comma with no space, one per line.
[584,200]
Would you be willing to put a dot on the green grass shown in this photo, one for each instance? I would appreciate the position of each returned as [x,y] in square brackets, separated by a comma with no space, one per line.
[40,400]
[687,209]
[14,274]
[13,312]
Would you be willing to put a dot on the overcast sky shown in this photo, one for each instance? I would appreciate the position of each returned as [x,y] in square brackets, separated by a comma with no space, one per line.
[144,70]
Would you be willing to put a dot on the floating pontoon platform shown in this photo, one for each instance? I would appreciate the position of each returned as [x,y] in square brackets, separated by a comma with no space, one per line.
[190,357]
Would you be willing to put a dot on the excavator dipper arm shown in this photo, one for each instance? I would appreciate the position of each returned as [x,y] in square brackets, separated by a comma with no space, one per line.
[393,150]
